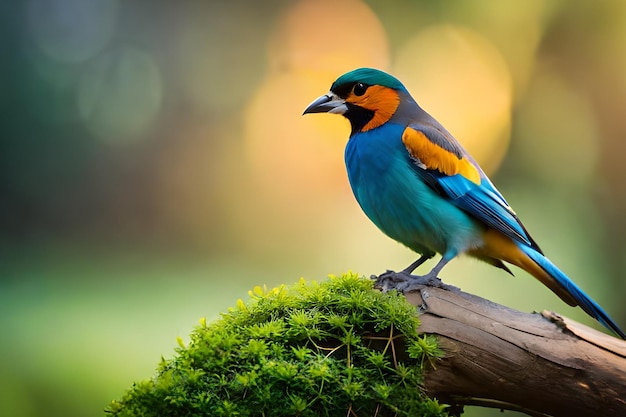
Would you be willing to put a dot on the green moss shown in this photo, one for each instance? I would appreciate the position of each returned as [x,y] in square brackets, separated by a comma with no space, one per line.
[335,348]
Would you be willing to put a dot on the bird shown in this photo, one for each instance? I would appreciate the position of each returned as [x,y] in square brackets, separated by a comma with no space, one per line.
[420,187]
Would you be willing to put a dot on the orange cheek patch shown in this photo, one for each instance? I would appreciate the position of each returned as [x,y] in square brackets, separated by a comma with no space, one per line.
[435,157]
[382,101]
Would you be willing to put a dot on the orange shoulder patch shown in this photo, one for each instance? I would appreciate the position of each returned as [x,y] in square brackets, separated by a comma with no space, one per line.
[435,157]
[381,100]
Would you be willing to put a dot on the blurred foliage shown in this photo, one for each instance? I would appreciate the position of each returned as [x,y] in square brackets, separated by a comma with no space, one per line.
[329,349]
[151,148]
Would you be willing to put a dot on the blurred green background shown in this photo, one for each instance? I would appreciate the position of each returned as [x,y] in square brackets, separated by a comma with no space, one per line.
[154,164]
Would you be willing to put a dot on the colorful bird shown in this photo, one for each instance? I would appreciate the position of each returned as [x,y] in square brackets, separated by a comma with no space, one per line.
[420,187]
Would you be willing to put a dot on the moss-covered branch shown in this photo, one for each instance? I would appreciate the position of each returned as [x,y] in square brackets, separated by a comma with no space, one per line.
[342,348]
[335,348]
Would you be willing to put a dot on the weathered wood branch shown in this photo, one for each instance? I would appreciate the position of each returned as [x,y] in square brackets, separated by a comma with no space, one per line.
[541,364]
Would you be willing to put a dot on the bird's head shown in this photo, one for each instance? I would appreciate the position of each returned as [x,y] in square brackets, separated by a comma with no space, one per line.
[367,97]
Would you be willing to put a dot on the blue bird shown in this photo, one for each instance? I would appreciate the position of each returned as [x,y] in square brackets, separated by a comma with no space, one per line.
[421,188]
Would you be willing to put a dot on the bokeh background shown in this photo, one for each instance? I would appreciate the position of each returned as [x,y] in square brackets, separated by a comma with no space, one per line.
[154,164]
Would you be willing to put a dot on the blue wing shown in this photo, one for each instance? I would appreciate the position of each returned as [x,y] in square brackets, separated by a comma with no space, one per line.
[482,200]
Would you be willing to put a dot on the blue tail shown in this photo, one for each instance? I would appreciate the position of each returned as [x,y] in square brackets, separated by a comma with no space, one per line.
[568,286]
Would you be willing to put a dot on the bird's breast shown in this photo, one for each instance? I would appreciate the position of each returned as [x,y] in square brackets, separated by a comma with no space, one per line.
[397,200]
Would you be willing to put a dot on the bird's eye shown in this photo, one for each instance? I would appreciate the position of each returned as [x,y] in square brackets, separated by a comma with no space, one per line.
[359,89]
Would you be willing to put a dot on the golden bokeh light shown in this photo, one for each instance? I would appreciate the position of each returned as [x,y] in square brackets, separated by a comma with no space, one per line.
[516,31]
[329,36]
[287,150]
[461,79]
[295,162]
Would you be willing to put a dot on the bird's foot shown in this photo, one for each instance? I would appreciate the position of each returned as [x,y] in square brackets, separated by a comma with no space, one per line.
[405,282]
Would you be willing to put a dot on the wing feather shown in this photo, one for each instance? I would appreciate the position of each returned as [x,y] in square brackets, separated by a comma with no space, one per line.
[450,171]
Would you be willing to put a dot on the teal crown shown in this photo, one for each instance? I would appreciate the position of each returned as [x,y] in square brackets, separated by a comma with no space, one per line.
[369,76]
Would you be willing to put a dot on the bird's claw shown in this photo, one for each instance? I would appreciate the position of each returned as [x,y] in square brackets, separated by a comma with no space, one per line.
[404,282]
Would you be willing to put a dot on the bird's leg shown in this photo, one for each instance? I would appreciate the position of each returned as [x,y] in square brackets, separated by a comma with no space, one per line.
[403,281]
[392,279]
[431,278]
[415,264]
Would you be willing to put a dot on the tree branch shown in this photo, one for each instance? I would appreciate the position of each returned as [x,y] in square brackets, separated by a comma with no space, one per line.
[540,364]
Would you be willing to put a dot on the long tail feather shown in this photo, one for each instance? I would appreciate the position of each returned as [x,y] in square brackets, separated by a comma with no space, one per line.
[568,286]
